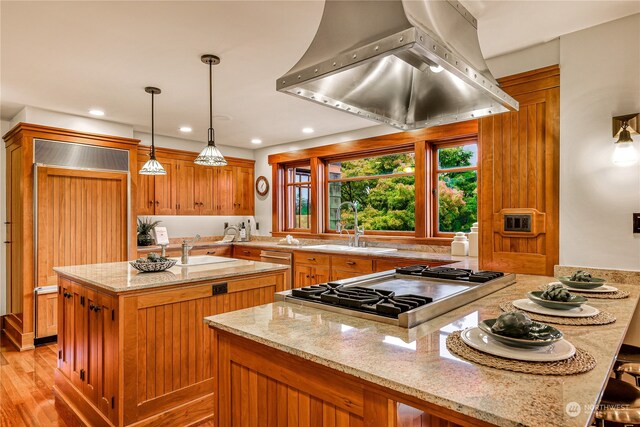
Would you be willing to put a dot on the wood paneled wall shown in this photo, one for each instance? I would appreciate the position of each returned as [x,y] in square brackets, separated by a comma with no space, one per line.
[519,167]
[82,219]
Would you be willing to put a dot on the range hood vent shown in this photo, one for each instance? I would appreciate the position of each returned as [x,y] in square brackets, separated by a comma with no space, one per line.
[408,63]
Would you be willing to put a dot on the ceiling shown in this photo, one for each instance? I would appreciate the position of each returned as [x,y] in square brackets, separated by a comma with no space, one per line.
[75,56]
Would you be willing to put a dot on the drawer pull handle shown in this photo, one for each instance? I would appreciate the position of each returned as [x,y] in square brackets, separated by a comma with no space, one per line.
[351,263]
[246,252]
[311,259]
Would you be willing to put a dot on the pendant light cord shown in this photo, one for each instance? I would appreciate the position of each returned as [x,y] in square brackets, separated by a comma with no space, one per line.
[211,134]
[153,147]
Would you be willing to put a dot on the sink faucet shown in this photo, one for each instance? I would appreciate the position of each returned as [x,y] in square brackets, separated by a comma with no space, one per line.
[186,247]
[357,231]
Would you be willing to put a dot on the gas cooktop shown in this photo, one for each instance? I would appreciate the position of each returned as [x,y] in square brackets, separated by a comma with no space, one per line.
[405,297]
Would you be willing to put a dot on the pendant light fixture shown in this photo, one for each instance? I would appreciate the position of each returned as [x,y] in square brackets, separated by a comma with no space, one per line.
[211,155]
[152,166]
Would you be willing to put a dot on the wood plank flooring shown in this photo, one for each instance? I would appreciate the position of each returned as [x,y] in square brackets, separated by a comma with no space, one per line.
[26,388]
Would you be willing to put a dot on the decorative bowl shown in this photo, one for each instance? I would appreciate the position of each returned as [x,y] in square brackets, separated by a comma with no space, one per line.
[575,301]
[151,267]
[541,335]
[594,283]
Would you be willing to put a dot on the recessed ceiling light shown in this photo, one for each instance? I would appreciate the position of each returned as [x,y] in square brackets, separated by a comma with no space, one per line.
[307,130]
[256,141]
[185,129]
[96,112]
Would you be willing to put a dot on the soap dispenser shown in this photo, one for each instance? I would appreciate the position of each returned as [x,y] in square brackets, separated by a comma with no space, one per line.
[460,244]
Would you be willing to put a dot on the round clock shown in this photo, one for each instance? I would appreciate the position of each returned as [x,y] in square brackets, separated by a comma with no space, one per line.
[262,186]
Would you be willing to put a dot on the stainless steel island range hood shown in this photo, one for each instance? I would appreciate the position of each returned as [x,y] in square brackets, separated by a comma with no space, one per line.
[407,63]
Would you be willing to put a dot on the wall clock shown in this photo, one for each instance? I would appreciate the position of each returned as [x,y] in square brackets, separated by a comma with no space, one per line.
[262,186]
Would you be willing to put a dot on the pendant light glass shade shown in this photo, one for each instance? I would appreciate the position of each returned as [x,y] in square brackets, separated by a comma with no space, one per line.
[152,166]
[210,155]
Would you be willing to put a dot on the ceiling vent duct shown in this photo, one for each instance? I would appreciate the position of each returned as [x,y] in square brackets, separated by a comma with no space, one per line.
[410,64]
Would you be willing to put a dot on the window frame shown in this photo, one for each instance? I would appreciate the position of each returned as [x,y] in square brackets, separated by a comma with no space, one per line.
[435,171]
[421,142]
[286,198]
[358,156]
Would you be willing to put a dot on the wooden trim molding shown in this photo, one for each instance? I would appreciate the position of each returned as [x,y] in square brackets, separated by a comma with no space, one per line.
[362,146]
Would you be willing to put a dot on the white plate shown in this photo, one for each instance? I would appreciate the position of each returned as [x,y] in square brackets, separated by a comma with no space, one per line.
[582,311]
[477,339]
[598,290]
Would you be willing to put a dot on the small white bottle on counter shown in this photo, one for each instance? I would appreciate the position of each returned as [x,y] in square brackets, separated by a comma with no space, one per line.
[460,245]
[473,240]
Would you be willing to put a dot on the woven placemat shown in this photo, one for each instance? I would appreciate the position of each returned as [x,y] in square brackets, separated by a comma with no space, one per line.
[597,295]
[602,318]
[581,362]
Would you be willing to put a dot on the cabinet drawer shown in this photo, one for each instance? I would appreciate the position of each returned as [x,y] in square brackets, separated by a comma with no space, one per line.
[309,258]
[358,265]
[219,251]
[244,252]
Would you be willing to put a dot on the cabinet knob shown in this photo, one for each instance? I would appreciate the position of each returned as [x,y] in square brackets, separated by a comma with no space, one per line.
[91,307]
[157,203]
[7,241]
[150,202]
[307,276]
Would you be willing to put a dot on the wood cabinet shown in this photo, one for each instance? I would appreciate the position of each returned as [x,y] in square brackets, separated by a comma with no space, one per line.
[257,385]
[146,357]
[88,345]
[311,268]
[62,205]
[243,199]
[190,189]
[46,315]
[224,251]
[247,252]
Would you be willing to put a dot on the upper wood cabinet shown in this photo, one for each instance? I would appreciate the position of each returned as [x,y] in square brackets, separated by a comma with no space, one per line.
[190,189]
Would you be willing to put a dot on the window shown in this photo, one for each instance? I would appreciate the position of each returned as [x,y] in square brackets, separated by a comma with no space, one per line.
[456,175]
[298,197]
[383,188]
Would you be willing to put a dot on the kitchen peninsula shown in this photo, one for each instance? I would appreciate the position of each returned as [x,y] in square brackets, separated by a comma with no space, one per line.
[292,361]
[132,347]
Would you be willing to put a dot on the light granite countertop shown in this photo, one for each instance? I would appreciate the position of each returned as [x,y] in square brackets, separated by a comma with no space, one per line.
[120,277]
[416,362]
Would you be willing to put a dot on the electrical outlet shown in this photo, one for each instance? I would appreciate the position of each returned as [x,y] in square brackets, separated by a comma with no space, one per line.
[220,288]
[257,226]
[636,223]
[518,223]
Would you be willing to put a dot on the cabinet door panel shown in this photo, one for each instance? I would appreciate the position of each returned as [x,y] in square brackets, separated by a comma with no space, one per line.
[93,359]
[223,196]
[205,183]
[165,188]
[77,341]
[302,275]
[66,308]
[243,190]
[146,196]
[319,275]
[46,315]
[186,183]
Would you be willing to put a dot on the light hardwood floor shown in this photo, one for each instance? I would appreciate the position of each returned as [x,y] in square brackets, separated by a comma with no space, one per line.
[26,388]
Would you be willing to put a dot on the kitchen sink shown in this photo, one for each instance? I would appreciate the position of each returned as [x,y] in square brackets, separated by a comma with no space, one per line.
[204,260]
[342,248]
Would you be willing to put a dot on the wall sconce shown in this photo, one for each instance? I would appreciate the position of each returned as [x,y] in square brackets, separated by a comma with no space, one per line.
[625,153]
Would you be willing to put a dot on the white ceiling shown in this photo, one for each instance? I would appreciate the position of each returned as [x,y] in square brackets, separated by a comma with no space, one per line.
[74,56]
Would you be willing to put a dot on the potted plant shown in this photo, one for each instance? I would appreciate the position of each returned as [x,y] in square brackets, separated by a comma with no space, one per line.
[145,225]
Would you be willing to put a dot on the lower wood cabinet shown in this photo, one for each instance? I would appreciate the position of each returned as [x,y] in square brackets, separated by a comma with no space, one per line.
[46,315]
[246,252]
[307,275]
[260,386]
[88,347]
[146,357]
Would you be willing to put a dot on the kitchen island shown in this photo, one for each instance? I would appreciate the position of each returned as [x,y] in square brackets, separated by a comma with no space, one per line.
[132,347]
[284,361]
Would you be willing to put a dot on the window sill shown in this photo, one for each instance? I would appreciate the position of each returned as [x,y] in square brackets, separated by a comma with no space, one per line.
[407,240]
